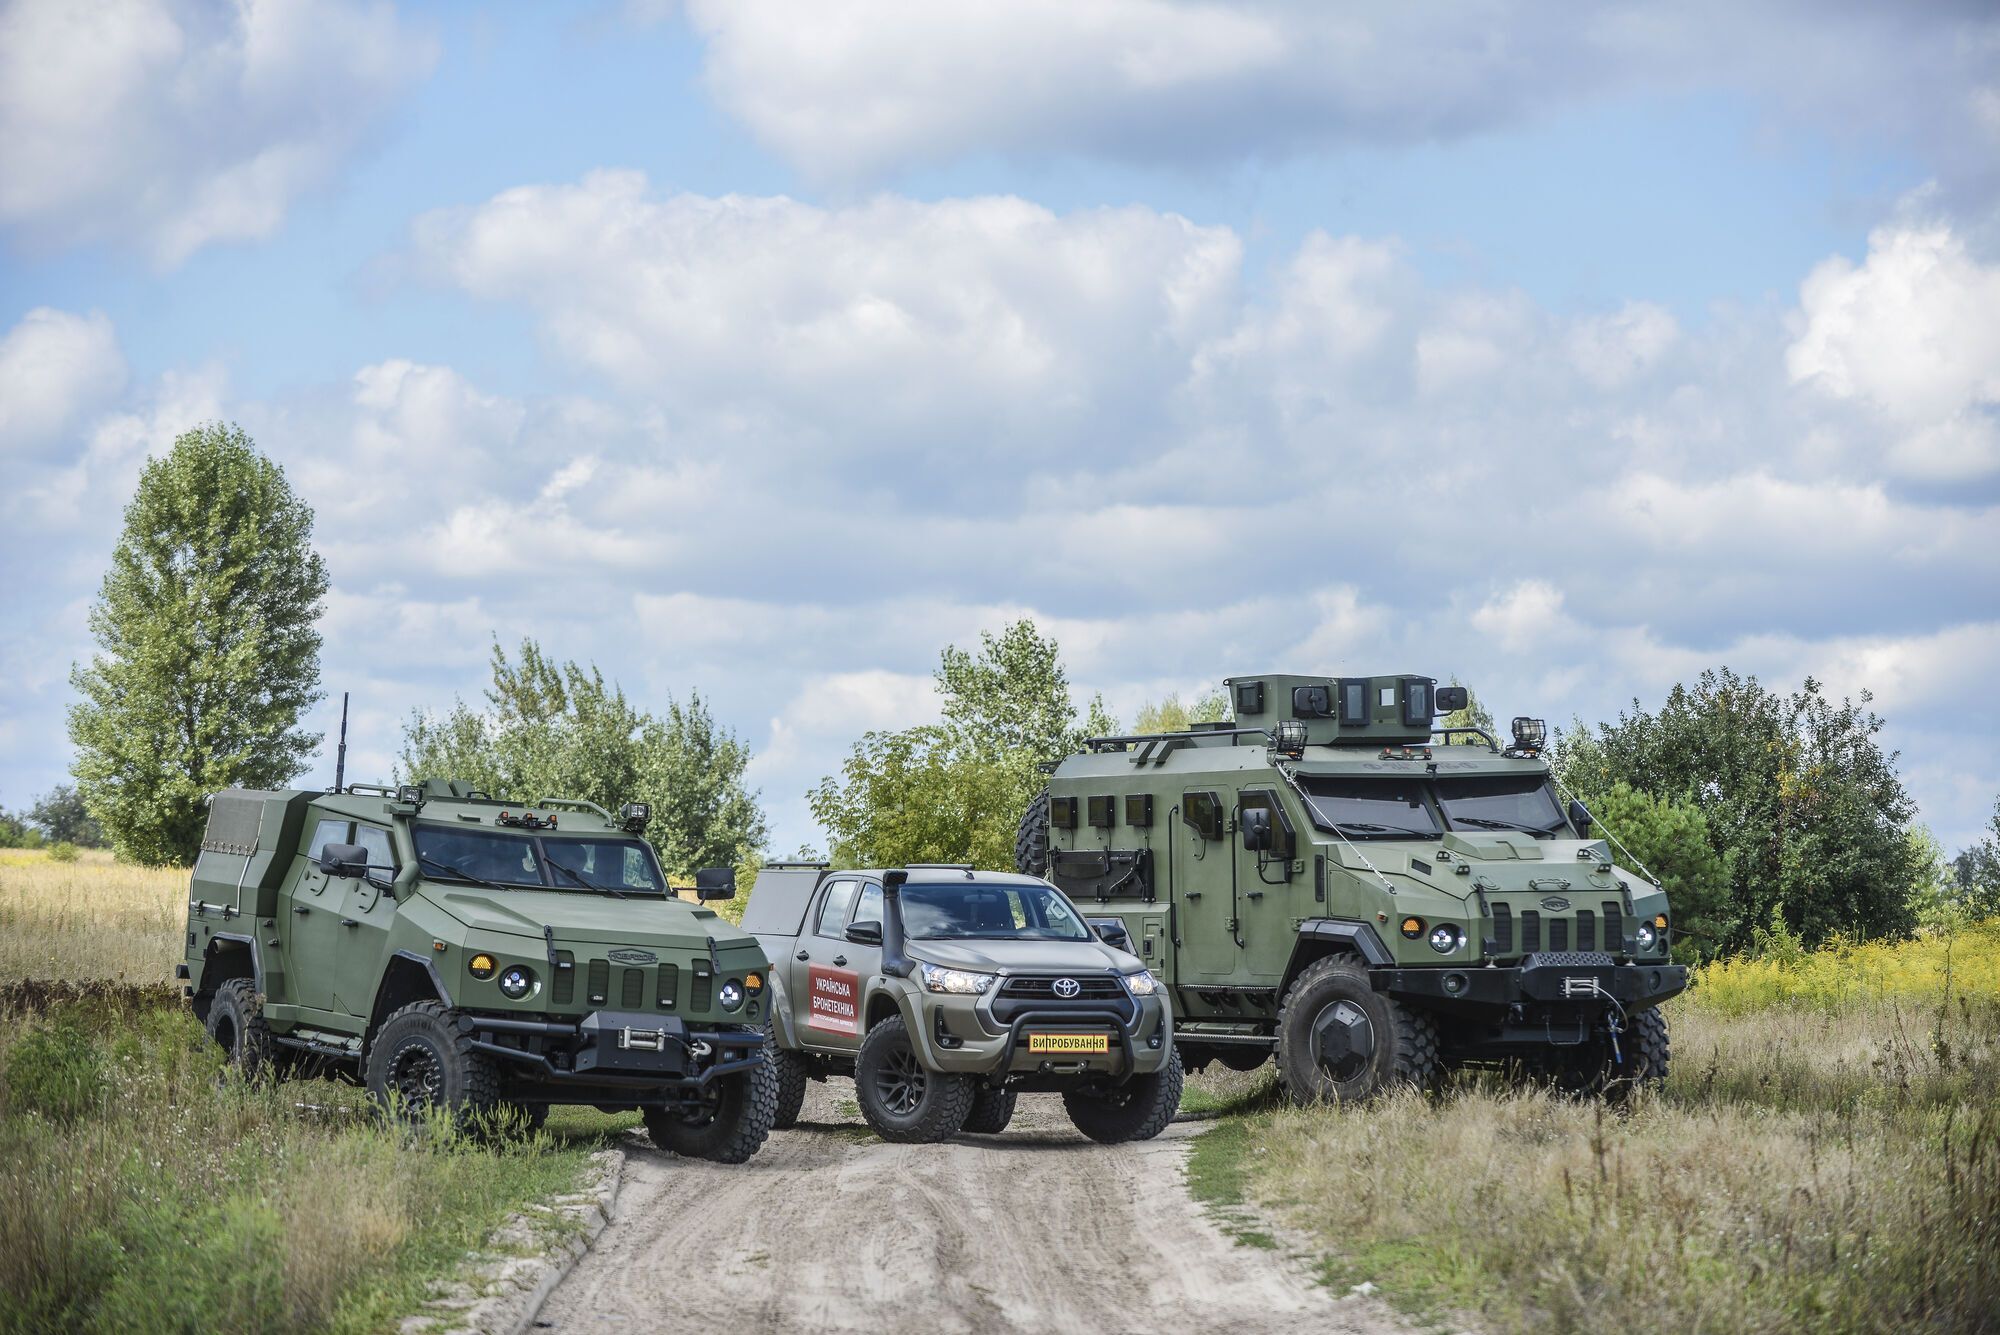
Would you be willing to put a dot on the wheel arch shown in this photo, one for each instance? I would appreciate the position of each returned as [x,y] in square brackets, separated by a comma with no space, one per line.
[1320,937]
[408,977]
[228,956]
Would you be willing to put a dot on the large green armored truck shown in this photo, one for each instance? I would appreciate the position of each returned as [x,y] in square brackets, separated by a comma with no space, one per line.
[458,952]
[1328,881]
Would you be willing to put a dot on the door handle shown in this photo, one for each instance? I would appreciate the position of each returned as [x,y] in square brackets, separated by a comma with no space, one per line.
[301,908]
[1191,894]
[349,922]
[840,959]
[803,955]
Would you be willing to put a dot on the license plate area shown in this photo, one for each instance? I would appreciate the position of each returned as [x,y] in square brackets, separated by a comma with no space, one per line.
[1068,1044]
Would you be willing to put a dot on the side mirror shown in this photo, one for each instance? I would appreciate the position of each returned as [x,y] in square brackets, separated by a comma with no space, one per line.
[1111,931]
[1579,816]
[865,933]
[715,883]
[1255,823]
[344,860]
[1451,699]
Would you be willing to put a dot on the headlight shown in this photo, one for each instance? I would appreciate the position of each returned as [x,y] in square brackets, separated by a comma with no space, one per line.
[1444,938]
[517,982]
[961,981]
[1142,983]
[1413,927]
[1648,938]
[480,966]
[731,995]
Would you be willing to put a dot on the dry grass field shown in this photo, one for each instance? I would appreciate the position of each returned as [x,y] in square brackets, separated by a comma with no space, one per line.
[89,919]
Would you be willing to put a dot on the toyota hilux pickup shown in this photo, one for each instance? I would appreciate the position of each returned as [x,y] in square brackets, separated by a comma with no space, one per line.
[947,992]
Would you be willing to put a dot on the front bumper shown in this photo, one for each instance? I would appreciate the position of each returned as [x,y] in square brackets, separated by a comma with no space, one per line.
[1548,979]
[964,1036]
[628,1051]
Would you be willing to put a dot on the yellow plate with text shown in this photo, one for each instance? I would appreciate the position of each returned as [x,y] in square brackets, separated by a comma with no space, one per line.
[1069,1042]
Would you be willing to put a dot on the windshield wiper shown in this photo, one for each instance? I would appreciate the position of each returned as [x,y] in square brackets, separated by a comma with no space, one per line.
[1486,823]
[459,872]
[588,885]
[1363,827]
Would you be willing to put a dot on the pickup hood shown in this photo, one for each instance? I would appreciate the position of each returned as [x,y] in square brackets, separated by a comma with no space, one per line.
[1025,956]
[668,924]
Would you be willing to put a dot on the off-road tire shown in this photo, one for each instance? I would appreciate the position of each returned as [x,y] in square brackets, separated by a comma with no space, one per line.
[1031,841]
[992,1110]
[420,1060]
[1139,1109]
[1592,1073]
[904,1103]
[727,1129]
[236,1021]
[793,1074]
[1405,1039]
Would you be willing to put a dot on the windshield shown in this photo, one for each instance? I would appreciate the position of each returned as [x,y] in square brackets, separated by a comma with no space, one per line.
[1500,802]
[1388,808]
[612,865]
[989,913]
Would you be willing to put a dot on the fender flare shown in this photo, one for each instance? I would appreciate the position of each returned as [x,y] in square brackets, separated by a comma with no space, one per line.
[241,939]
[784,1025]
[1318,937]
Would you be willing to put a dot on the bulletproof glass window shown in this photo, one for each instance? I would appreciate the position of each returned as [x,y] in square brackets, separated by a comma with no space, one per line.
[833,909]
[1353,704]
[1500,802]
[328,831]
[869,907]
[381,854]
[479,855]
[1102,811]
[1139,809]
[1417,711]
[618,864]
[1384,808]
[1203,811]
[1062,813]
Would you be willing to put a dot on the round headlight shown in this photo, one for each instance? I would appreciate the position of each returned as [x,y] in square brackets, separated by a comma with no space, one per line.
[731,995]
[516,981]
[1648,938]
[1413,928]
[480,966]
[1444,938]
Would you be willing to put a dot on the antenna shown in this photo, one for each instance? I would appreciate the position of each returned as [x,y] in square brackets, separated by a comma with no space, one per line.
[340,757]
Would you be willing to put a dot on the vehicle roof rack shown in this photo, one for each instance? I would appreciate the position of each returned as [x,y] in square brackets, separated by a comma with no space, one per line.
[818,864]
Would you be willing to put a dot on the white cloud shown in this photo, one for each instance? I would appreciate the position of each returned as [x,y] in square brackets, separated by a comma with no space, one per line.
[1913,332]
[54,367]
[169,125]
[856,90]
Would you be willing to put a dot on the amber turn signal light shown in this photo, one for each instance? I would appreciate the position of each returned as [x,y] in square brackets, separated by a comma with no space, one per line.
[1413,928]
[481,966]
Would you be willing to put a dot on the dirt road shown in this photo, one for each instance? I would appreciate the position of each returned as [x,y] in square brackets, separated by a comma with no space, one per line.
[1036,1230]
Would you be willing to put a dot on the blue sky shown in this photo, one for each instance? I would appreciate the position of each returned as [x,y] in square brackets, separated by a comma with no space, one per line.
[764,349]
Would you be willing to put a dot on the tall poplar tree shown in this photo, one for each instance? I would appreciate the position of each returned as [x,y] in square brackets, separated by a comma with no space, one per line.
[207,646]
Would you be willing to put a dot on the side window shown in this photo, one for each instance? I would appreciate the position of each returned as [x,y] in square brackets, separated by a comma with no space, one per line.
[376,841]
[833,910]
[328,831]
[870,907]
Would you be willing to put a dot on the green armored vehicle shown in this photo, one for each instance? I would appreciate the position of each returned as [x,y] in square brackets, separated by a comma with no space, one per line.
[947,992]
[1323,882]
[453,951]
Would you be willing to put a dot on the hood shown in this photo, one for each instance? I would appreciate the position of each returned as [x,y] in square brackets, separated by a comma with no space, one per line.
[578,917]
[1026,956]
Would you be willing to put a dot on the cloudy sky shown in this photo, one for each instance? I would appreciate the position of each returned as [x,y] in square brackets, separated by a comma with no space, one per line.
[765,348]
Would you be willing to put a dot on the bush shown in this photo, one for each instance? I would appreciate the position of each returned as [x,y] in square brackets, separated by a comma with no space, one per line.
[63,851]
[57,1072]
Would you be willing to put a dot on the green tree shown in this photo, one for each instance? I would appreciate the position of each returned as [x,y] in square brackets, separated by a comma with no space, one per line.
[1976,872]
[554,729]
[62,816]
[1671,840]
[207,646]
[1803,805]
[954,791]
[1171,715]
[15,832]
[1474,715]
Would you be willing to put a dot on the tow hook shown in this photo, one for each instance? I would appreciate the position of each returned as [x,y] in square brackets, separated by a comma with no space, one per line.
[700,1049]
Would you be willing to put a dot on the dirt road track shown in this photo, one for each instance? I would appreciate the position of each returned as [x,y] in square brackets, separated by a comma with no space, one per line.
[1034,1230]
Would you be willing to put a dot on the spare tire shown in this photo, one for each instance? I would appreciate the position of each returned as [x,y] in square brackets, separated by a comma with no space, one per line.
[1031,843]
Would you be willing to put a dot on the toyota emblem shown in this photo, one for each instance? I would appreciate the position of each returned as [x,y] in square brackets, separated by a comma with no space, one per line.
[1066,988]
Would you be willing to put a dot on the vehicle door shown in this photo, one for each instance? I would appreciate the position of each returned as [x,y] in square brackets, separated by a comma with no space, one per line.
[822,981]
[1267,883]
[1205,916]
[312,929]
[368,910]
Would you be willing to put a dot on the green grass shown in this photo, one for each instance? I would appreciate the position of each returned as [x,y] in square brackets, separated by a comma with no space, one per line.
[142,1190]
[1824,1164]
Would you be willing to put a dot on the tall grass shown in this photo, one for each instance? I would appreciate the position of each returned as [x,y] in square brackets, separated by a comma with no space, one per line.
[1830,1162]
[91,918]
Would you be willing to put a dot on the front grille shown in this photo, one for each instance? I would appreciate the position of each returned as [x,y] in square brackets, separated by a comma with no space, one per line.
[1586,930]
[670,985]
[1531,930]
[1044,989]
[1614,926]
[634,984]
[1558,934]
[1568,959]
[704,983]
[1503,930]
[600,982]
[565,978]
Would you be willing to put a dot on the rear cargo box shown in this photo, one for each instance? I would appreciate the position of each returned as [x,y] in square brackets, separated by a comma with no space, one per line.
[251,839]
